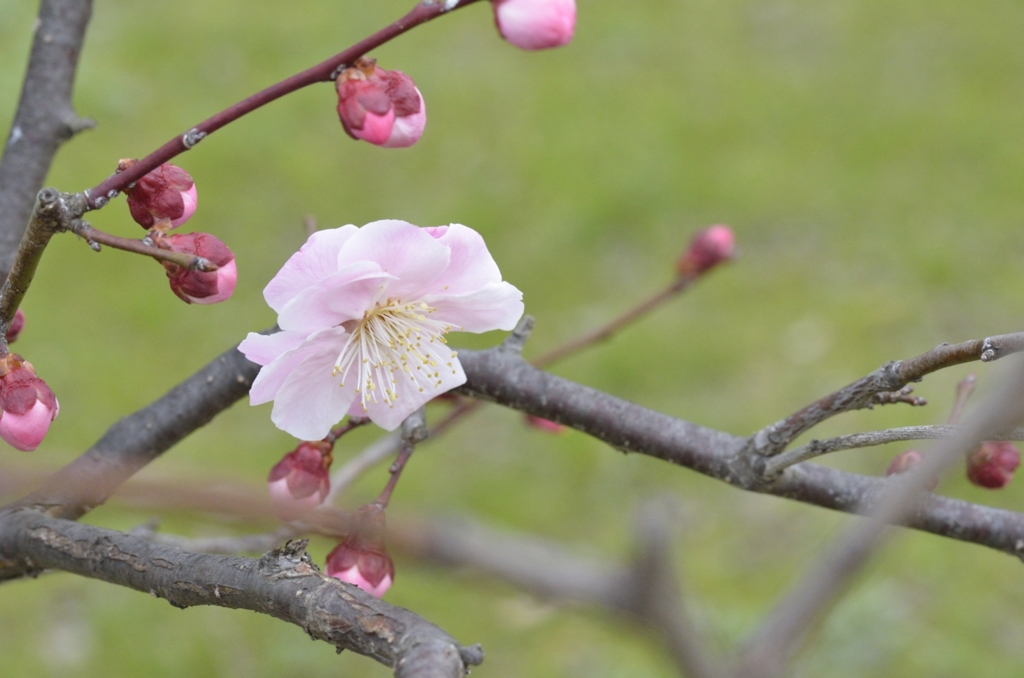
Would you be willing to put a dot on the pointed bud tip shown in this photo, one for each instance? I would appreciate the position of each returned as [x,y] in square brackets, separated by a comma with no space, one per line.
[708,248]
[300,481]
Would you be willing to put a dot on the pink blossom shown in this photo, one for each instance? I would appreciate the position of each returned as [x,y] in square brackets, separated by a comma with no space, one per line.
[201,287]
[380,106]
[535,24]
[709,247]
[27,405]
[300,481]
[165,198]
[361,558]
[364,313]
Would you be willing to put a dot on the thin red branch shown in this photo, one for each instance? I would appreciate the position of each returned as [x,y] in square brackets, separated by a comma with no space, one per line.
[322,72]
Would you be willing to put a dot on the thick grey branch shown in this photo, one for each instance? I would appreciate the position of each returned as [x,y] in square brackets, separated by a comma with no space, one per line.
[283,583]
[504,377]
[771,645]
[141,437]
[44,119]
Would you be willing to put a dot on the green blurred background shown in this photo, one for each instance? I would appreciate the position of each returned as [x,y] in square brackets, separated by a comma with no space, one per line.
[868,155]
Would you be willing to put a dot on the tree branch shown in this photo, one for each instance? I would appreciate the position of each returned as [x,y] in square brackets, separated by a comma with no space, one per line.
[890,377]
[816,448]
[283,583]
[44,119]
[322,72]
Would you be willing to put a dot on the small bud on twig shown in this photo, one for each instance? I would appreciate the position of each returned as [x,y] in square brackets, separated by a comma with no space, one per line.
[362,558]
[535,24]
[165,198]
[992,464]
[300,481]
[382,107]
[708,248]
[27,405]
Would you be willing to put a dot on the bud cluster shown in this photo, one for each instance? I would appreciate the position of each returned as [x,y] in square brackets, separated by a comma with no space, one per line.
[382,107]
[27,405]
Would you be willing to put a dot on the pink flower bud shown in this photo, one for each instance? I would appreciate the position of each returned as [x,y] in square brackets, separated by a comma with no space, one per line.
[535,24]
[27,405]
[992,465]
[544,424]
[382,107]
[300,481]
[201,287]
[708,248]
[165,198]
[904,461]
[362,559]
[16,326]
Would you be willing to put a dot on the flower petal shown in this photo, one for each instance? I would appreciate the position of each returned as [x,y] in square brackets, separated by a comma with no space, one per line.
[264,349]
[471,265]
[495,306]
[310,401]
[272,376]
[316,260]
[344,295]
[403,250]
[447,374]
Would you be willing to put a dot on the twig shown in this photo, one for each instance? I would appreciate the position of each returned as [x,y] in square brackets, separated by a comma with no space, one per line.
[95,237]
[964,389]
[606,331]
[322,72]
[892,376]
[44,119]
[771,645]
[817,448]
[414,430]
[283,583]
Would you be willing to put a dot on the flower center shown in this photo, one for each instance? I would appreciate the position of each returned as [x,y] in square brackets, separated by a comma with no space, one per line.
[392,339]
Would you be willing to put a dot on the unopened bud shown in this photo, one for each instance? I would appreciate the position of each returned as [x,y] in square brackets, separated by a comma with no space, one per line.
[708,248]
[361,558]
[201,287]
[904,461]
[165,198]
[379,106]
[300,481]
[27,405]
[535,24]
[992,465]
[16,326]
[545,425]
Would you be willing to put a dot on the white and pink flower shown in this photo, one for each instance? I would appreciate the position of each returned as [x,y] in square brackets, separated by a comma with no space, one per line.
[363,314]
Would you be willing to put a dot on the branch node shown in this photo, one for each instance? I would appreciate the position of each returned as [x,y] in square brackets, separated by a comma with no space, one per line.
[414,428]
[517,340]
[192,137]
[472,655]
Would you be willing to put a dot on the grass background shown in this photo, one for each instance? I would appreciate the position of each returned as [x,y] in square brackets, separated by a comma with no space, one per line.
[868,155]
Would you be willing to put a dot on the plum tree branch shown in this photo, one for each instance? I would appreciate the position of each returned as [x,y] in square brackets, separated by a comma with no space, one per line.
[816,448]
[283,583]
[44,118]
[888,378]
[423,12]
